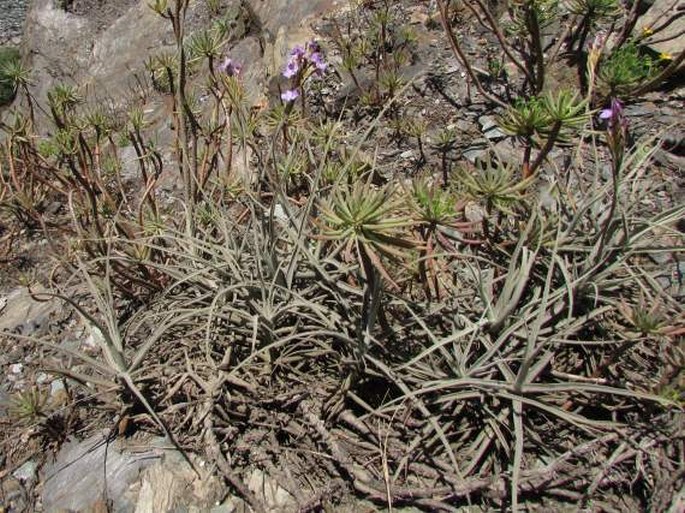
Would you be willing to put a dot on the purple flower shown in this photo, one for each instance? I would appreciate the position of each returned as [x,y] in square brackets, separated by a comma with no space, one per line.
[614,114]
[607,113]
[231,68]
[318,61]
[313,46]
[290,95]
[297,51]
[291,68]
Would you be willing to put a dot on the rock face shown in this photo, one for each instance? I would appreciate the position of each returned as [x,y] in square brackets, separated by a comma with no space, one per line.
[143,478]
[77,49]
[667,19]
[78,478]
[103,49]
[12,15]
[20,313]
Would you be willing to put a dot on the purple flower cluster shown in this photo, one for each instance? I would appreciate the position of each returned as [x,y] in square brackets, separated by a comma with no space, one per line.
[230,67]
[301,61]
[290,95]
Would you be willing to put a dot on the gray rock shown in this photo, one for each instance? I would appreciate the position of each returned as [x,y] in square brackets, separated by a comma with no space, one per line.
[669,40]
[223,508]
[101,53]
[463,126]
[130,170]
[638,110]
[142,476]
[12,16]
[490,129]
[473,153]
[27,473]
[76,479]
[494,134]
[279,213]
[172,485]
[23,314]
[508,152]
[56,387]
[487,123]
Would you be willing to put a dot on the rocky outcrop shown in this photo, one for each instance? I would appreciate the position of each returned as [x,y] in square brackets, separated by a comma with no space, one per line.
[664,25]
[103,52]
[12,16]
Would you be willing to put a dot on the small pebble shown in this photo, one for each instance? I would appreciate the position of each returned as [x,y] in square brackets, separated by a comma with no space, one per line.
[27,472]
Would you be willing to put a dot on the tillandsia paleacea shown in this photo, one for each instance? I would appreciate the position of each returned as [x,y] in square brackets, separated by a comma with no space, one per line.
[304,62]
[617,136]
[229,94]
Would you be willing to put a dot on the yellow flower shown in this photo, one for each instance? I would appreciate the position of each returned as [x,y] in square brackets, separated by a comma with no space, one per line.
[647,31]
[665,56]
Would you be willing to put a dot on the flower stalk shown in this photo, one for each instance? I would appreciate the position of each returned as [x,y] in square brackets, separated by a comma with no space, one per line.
[617,134]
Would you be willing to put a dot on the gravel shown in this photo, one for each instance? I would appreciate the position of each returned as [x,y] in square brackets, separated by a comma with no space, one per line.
[12,16]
